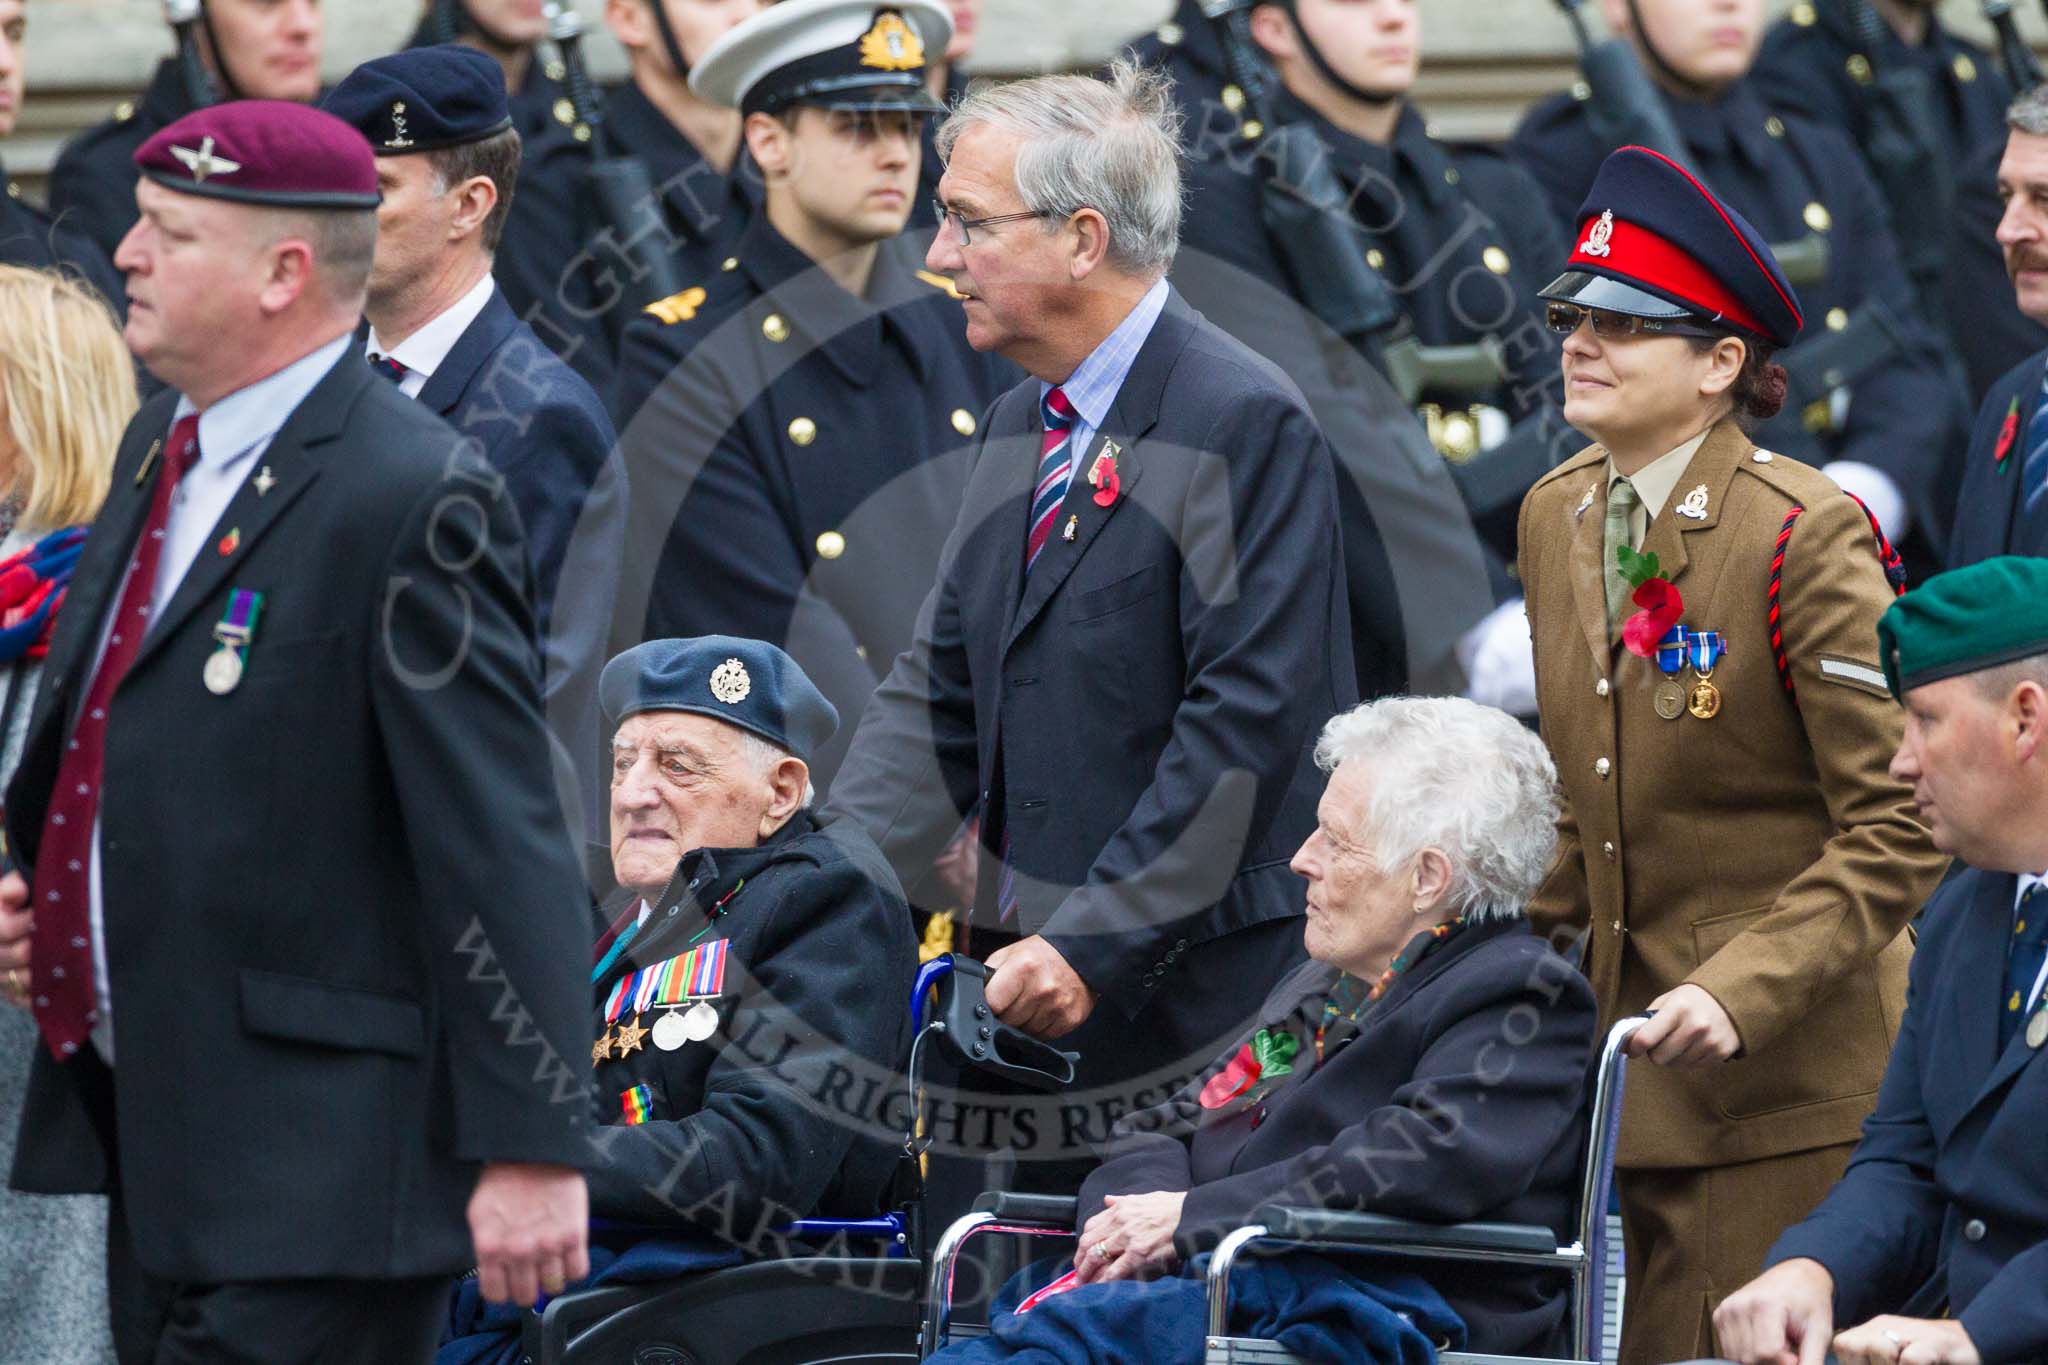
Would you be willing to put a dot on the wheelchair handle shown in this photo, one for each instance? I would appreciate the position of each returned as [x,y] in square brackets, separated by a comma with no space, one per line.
[972,1035]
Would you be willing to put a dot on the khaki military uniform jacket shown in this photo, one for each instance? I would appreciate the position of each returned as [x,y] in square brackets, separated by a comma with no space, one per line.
[1762,854]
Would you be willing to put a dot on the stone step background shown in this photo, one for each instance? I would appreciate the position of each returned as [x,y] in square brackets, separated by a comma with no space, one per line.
[1488,59]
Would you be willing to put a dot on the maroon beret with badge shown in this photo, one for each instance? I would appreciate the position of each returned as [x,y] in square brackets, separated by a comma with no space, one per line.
[267,152]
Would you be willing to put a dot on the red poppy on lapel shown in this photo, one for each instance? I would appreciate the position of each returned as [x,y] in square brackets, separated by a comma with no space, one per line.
[1103,476]
[1661,607]
[2008,430]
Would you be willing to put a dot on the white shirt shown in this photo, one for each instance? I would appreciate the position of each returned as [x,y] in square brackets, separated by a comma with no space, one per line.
[423,351]
[233,433]
[2028,879]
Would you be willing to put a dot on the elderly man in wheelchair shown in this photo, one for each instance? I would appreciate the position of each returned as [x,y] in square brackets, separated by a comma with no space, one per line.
[749,979]
[1430,1063]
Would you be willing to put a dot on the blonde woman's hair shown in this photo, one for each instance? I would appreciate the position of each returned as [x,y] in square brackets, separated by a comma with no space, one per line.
[69,385]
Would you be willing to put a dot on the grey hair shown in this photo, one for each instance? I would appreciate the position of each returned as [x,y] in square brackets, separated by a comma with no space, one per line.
[2029,113]
[765,755]
[1453,775]
[1110,145]
[1996,683]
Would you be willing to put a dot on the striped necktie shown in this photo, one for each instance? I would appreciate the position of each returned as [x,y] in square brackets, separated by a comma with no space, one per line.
[2023,958]
[1054,472]
[393,370]
[2034,468]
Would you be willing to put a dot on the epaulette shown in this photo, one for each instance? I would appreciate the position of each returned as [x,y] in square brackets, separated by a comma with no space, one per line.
[944,282]
[680,306]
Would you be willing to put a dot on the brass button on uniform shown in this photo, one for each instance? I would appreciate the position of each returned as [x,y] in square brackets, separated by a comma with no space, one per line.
[557,72]
[1617,926]
[124,111]
[963,421]
[1496,260]
[1171,34]
[565,112]
[1607,849]
[774,328]
[1774,126]
[831,545]
[1602,767]
[1451,176]
[1859,68]
[803,431]
[729,264]
[1601,689]
[1838,319]
[1974,1230]
[1803,15]
[1253,130]
[1817,216]
[1965,69]
[1375,258]
[1233,99]
[581,132]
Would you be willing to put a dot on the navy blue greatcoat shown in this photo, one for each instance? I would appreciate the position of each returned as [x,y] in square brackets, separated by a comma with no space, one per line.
[1947,1179]
[563,269]
[797,456]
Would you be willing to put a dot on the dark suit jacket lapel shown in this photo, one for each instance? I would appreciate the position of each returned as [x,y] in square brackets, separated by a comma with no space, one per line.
[466,359]
[1992,919]
[317,420]
[1132,415]
[1977,968]
[2009,487]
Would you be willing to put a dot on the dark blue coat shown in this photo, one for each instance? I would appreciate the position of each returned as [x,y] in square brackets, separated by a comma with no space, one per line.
[1450,228]
[92,186]
[1803,68]
[1905,417]
[1947,1179]
[31,237]
[787,1110]
[1424,1112]
[1989,518]
[797,456]
[559,265]
[1137,719]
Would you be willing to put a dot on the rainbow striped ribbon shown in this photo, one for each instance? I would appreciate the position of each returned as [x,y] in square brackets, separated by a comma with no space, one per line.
[636,1103]
[695,975]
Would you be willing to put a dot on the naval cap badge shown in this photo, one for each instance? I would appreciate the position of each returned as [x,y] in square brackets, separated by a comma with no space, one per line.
[730,683]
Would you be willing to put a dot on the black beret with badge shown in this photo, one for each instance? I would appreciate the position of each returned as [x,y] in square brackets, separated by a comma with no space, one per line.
[423,99]
[747,683]
[831,54]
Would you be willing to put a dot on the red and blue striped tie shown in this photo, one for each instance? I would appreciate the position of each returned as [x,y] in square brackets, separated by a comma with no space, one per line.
[1053,472]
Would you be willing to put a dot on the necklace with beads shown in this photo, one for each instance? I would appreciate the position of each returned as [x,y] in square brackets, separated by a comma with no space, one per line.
[1403,960]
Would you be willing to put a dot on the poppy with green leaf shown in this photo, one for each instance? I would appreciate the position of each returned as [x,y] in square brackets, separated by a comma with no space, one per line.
[1656,596]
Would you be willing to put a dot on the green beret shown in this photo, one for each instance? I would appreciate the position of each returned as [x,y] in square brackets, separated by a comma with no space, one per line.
[1977,617]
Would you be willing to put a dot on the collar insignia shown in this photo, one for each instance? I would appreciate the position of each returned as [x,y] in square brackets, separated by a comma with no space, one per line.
[203,162]
[1695,504]
[891,45]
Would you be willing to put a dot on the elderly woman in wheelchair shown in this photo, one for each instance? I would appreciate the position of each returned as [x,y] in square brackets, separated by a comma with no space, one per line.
[1431,1062]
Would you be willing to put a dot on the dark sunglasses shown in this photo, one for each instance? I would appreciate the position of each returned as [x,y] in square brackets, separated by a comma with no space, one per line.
[1564,319]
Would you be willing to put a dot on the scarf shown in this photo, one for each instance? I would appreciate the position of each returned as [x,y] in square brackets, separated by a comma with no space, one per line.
[32,587]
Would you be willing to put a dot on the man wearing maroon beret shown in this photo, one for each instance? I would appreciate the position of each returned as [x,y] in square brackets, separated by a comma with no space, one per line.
[289,908]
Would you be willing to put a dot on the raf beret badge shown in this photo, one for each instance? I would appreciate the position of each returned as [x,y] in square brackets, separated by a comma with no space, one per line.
[730,683]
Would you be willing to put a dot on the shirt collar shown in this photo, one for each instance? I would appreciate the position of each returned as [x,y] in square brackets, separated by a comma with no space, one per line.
[424,350]
[2027,881]
[250,416]
[1093,385]
[1654,481]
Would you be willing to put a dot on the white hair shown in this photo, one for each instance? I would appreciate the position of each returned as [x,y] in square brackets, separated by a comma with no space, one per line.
[1110,145]
[1453,775]
[765,755]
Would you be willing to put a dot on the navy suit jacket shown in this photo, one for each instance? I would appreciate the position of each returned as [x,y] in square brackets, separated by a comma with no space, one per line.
[1947,1179]
[1989,518]
[1443,1106]
[341,915]
[1138,718]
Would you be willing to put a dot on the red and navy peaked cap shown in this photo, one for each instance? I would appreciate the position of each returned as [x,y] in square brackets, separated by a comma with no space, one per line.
[1655,243]
[268,152]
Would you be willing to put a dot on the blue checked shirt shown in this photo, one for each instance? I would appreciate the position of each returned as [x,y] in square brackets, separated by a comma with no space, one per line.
[1093,386]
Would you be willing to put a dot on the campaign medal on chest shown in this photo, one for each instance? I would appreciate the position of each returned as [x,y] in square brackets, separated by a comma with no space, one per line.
[1705,647]
[1669,698]
[681,988]
[235,629]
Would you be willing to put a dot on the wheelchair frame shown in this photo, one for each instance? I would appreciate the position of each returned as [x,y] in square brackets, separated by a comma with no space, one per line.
[1584,1260]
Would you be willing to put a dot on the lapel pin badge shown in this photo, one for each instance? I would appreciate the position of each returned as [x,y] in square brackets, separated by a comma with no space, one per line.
[1102,476]
[265,481]
[1695,505]
[230,542]
[1073,525]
